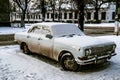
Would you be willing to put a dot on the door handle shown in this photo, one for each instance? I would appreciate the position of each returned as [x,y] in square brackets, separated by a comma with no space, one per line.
[28,36]
[39,39]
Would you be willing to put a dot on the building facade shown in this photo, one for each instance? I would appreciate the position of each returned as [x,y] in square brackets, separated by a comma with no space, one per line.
[105,15]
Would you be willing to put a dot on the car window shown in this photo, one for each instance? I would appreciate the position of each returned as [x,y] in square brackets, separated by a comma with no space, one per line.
[31,30]
[35,29]
[45,30]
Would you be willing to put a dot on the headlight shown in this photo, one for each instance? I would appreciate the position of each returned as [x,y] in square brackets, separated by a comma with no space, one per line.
[87,52]
[113,49]
[114,46]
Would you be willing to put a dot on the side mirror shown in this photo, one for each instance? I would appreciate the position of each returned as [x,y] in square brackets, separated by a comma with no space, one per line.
[49,36]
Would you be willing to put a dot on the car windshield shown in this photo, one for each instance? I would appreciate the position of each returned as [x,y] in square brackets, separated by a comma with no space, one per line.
[63,30]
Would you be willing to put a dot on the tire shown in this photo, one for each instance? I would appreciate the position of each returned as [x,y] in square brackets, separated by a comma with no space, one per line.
[68,63]
[24,48]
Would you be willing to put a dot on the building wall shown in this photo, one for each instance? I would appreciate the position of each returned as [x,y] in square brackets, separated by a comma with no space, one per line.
[105,15]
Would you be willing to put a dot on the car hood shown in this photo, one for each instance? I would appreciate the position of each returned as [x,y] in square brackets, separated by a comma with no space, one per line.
[83,41]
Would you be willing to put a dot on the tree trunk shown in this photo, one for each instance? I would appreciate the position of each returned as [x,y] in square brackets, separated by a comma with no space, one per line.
[81,14]
[53,5]
[59,11]
[53,13]
[43,9]
[59,16]
[96,12]
[23,19]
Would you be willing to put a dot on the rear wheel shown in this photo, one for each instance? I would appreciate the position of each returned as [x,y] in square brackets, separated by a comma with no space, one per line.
[24,48]
[68,63]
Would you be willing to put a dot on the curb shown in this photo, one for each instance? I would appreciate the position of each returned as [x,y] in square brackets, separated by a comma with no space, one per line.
[3,43]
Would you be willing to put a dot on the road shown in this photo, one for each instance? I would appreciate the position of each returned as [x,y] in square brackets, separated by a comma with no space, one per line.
[14,65]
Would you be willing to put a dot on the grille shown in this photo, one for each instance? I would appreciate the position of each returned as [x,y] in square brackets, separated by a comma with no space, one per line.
[101,50]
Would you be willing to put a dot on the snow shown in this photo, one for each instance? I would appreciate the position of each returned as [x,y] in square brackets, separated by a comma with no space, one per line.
[14,65]
[101,25]
[11,30]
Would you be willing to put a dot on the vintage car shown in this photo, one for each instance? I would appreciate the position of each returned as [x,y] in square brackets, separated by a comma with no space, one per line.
[65,43]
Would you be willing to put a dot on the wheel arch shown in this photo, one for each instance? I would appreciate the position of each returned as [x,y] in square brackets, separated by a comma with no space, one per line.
[22,43]
[64,52]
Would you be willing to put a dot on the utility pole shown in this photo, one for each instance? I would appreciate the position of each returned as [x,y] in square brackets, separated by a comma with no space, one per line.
[116,29]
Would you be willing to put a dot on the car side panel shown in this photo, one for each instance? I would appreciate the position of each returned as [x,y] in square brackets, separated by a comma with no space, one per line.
[46,46]
[33,43]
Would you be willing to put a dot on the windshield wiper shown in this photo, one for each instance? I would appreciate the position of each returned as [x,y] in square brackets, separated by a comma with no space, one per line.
[63,35]
[70,35]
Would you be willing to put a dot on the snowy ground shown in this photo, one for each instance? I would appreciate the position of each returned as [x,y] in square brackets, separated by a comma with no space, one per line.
[14,65]
[11,30]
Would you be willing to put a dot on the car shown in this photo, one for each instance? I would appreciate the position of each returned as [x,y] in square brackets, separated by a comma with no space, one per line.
[65,43]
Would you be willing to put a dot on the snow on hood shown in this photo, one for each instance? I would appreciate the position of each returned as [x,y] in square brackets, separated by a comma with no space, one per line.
[83,41]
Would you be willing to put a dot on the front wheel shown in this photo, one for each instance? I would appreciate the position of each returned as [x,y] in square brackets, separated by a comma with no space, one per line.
[68,63]
[24,48]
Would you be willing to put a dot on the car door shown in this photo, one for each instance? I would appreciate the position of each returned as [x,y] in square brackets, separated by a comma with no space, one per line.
[33,39]
[46,44]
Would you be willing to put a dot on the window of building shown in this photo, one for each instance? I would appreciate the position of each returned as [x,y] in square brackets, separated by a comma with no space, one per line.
[56,15]
[113,15]
[60,15]
[94,15]
[70,15]
[88,15]
[47,15]
[103,15]
[76,15]
[51,15]
[65,15]
[39,17]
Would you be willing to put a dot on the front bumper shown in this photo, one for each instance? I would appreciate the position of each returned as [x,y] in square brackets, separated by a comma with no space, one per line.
[95,59]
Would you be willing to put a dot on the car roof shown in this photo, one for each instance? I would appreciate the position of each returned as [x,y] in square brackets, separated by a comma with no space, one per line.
[50,24]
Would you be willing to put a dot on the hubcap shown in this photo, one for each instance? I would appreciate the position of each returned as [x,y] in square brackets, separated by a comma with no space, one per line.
[69,63]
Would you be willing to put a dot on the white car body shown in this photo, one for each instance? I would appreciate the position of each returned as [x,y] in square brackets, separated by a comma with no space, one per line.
[65,37]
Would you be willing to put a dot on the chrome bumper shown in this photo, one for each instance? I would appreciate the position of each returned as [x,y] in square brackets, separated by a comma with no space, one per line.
[95,60]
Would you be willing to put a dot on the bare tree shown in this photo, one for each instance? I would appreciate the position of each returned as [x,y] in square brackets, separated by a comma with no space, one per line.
[60,4]
[80,9]
[22,4]
[52,3]
[96,4]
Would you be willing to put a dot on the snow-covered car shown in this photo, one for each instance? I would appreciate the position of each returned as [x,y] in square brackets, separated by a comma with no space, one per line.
[65,43]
